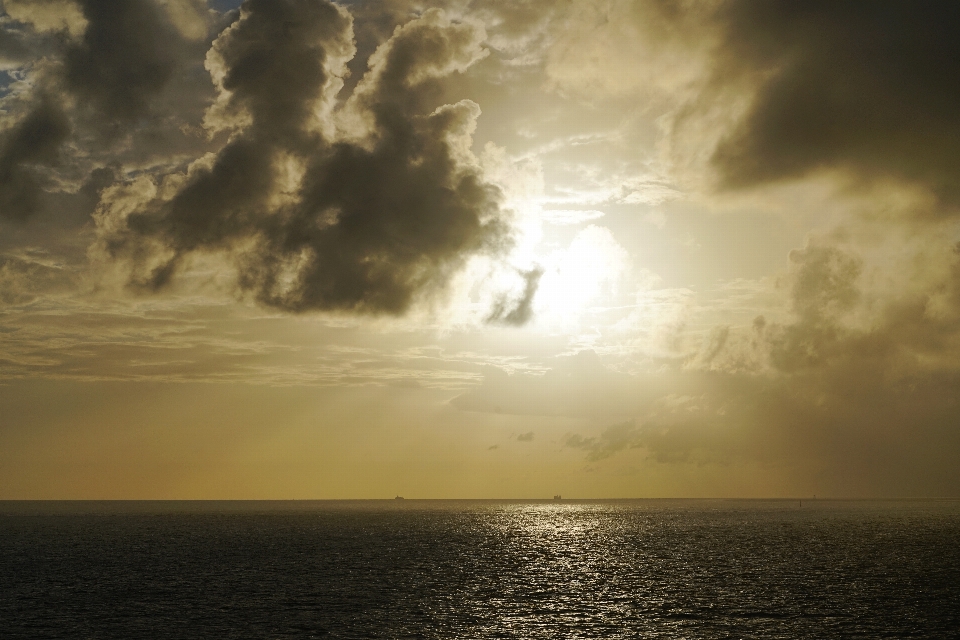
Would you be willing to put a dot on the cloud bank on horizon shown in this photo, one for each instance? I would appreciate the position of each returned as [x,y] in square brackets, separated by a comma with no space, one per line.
[585,172]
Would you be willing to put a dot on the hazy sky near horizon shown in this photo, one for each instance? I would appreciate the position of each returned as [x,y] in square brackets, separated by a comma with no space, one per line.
[479,248]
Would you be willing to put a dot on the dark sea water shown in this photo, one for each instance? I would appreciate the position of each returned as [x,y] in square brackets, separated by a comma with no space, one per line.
[434,569]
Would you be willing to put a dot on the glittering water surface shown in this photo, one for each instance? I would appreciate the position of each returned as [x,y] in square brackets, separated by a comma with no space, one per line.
[412,569]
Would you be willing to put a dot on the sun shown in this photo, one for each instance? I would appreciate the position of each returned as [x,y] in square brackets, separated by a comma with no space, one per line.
[586,273]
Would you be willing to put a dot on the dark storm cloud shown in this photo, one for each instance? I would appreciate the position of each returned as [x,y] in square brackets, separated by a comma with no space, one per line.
[867,87]
[28,147]
[126,56]
[274,73]
[379,226]
[380,215]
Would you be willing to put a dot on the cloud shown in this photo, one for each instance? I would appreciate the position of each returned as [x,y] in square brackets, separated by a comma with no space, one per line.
[517,312]
[611,441]
[824,290]
[863,375]
[25,277]
[26,148]
[775,91]
[14,48]
[570,216]
[126,56]
[649,192]
[365,216]
[868,88]
[853,392]
[102,85]
[47,15]
[570,387]
[310,161]
[590,41]
[190,17]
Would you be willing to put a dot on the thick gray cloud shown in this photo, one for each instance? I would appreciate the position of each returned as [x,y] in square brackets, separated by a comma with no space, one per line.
[99,71]
[274,74]
[381,213]
[126,56]
[867,87]
[28,147]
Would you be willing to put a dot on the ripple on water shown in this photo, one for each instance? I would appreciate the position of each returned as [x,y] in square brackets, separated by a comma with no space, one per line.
[632,569]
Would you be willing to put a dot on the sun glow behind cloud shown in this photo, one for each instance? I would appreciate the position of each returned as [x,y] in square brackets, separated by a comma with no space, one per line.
[588,272]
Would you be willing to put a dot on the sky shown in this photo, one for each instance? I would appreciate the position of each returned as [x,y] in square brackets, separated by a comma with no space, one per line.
[295,249]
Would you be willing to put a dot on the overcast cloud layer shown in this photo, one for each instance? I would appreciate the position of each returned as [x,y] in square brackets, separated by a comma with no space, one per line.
[667,243]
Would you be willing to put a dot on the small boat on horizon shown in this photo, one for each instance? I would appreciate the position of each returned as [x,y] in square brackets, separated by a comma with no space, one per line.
[399,498]
[557,497]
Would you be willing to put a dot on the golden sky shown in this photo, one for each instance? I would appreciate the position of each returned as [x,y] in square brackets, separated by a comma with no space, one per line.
[479,249]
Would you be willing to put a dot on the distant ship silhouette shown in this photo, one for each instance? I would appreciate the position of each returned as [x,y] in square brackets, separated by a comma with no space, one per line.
[399,498]
[557,497]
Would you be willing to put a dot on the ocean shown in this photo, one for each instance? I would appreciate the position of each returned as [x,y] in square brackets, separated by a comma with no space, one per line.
[480,569]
